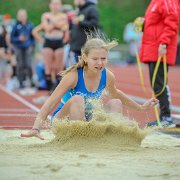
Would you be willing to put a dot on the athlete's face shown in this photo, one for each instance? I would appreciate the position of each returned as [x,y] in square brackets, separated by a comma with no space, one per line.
[97,59]
[22,16]
[55,5]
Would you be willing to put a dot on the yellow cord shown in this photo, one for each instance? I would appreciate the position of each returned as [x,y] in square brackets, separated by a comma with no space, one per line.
[165,74]
[138,26]
[164,85]
[153,81]
[140,71]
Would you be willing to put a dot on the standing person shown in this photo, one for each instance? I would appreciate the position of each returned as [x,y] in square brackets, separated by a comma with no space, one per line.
[178,53]
[3,52]
[86,20]
[23,42]
[55,26]
[160,38]
[83,81]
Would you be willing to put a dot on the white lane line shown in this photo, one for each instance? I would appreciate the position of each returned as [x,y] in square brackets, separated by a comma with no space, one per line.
[14,127]
[176,116]
[20,99]
[15,110]
[18,115]
[31,106]
[142,100]
[137,87]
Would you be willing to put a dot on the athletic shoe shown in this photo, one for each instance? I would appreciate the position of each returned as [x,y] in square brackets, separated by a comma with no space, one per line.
[165,122]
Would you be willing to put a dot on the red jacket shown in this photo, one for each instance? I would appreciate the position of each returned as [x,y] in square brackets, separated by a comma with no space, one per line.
[161,27]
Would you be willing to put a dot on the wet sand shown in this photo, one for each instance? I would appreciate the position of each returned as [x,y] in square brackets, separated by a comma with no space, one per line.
[93,150]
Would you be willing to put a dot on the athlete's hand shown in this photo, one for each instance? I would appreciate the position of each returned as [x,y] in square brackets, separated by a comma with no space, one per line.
[33,133]
[149,104]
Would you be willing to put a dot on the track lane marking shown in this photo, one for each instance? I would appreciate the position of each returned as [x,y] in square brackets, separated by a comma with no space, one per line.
[20,99]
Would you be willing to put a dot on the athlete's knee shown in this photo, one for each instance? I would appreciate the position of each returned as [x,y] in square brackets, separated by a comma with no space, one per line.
[77,100]
[116,103]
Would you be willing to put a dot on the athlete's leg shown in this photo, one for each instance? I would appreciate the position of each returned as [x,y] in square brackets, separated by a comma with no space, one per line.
[57,67]
[59,60]
[48,57]
[74,109]
[113,105]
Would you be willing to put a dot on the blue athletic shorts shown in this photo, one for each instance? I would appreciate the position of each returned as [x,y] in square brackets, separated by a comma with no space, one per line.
[88,111]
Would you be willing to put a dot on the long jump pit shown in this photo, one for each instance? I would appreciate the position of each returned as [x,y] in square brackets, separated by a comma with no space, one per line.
[107,147]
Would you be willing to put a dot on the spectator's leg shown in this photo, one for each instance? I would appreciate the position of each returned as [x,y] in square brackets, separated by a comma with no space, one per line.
[164,98]
[20,66]
[28,63]
[59,62]
[48,54]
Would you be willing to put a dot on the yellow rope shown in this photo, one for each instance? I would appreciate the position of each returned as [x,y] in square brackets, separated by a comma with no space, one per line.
[140,71]
[138,26]
[153,81]
[164,85]
[165,74]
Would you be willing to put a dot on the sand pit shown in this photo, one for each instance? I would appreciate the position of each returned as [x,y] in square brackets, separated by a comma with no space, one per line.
[99,149]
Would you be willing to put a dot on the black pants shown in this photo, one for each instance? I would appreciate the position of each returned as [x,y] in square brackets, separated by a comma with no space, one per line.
[76,55]
[24,63]
[164,98]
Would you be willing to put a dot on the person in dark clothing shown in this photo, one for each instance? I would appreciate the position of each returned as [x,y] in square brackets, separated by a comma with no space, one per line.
[3,34]
[85,21]
[178,55]
[3,52]
[55,25]
[159,40]
[23,42]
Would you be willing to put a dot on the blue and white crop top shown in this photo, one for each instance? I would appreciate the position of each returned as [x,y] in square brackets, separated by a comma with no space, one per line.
[80,88]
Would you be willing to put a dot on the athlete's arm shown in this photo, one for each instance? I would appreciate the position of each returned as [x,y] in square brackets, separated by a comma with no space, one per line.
[47,23]
[68,81]
[117,94]
[36,34]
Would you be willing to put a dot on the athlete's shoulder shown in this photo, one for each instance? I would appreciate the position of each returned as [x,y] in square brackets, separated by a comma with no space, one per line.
[109,73]
[110,76]
[45,16]
[71,77]
[72,74]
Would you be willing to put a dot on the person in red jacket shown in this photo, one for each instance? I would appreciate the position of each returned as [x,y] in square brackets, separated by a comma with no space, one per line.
[160,38]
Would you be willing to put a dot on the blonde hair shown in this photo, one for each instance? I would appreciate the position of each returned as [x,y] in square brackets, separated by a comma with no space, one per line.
[91,43]
[51,1]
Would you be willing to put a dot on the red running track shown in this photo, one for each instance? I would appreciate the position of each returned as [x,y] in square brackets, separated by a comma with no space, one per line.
[19,112]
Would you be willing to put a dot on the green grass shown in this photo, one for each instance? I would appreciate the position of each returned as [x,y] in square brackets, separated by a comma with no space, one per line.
[114,14]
